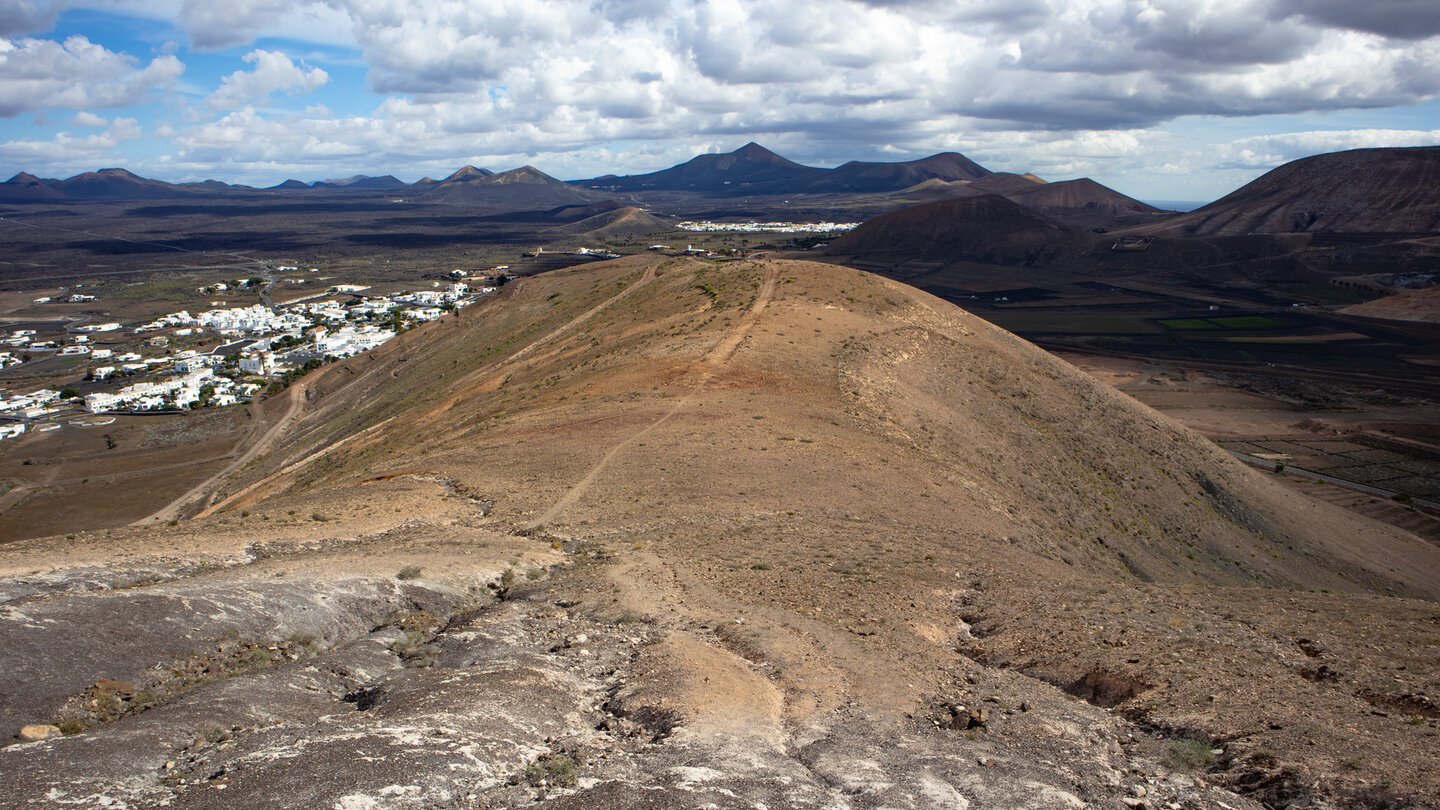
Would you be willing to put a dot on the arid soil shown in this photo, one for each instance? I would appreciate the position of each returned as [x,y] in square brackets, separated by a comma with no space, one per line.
[1306,426]
[672,533]
[1411,305]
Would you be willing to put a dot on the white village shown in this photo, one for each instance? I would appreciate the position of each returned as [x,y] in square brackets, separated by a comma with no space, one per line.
[258,347]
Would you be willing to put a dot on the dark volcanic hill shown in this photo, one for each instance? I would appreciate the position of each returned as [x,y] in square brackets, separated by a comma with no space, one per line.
[364,182]
[1083,202]
[466,174]
[624,221]
[212,187]
[26,187]
[384,182]
[575,213]
[1007,184]
[987,229]
[1360,191]
[525,188]
[857,176]
[109,184]
[747,170]
[115,184]
[667,533]
[754,170]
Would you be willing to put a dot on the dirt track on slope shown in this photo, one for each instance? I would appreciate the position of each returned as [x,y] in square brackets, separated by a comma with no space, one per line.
[206,488]
[708,366]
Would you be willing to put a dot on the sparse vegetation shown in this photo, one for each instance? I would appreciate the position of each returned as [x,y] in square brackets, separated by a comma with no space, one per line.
[1191,755]
[555,771]
[414,649]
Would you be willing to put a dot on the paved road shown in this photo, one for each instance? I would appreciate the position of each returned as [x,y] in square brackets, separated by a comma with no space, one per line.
[1268,464]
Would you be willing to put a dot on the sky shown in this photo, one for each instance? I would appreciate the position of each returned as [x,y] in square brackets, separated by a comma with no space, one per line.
[1160,99]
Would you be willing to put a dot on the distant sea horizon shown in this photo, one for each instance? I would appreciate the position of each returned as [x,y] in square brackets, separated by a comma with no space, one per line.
[1177,205]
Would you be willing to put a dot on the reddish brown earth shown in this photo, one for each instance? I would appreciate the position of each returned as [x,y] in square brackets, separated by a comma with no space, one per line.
[779,532]
[1411,305]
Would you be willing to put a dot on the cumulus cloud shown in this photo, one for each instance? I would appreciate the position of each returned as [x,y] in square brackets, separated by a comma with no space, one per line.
[28,16]
[1269,151]
[1401,19]
[273,72]
[732,64]
[68,151]
[75,74]
[216,24]
[584,86]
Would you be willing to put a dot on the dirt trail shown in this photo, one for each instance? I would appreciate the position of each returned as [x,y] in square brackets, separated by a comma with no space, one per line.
[644,279]
[18,494]
[297,400]
[173,509]
[289,468]
[816,666]
[718,355]
[492,374]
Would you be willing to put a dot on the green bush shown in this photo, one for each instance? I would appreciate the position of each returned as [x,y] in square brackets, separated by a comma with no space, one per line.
[558,771]
[1189,755]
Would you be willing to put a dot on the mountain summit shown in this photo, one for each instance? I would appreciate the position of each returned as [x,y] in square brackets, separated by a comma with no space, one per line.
[740,171]
[670,533]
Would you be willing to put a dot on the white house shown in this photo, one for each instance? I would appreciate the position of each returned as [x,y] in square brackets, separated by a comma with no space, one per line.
[258,363]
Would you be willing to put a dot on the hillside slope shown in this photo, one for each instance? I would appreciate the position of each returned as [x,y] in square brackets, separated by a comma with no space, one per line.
[1395,190]
[1084,201]
[620,222]
[775,532]
[987,229]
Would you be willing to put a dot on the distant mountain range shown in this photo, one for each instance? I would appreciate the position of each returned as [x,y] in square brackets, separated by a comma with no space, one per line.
[1360,191]
[751,170]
